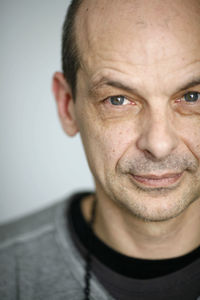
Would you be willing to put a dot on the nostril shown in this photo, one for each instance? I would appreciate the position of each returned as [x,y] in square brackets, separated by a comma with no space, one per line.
[149,155]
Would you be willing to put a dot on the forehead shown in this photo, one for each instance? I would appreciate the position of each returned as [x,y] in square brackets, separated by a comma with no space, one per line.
[137,33]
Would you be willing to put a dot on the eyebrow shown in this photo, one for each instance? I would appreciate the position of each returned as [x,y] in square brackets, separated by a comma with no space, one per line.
[120,85]
[188,85]
[113,83]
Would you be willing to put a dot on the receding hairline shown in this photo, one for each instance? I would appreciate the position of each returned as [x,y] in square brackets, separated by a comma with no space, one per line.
[80,32]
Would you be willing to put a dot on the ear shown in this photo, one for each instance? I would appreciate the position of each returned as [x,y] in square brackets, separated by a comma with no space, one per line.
[65,103]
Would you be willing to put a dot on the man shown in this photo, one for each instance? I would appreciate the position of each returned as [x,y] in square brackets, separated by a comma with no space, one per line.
[131,87]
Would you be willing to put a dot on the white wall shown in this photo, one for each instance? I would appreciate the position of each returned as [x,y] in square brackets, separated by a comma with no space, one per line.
[39,164]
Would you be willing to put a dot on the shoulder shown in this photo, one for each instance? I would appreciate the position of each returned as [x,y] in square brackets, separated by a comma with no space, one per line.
[36,226]
[27,247]
[29,228]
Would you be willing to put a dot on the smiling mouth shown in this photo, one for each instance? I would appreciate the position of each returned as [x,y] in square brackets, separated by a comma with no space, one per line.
[157,181]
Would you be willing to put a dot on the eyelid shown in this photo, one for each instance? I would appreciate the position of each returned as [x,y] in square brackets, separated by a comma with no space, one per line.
[121,96]
[191,92]
[181,97]
[127,99]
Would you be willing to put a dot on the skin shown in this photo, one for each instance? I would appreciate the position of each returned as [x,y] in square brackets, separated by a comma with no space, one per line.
[144,155]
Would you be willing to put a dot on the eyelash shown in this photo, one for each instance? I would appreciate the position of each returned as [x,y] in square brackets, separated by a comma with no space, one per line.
[127,101]
[189,102]
[181,99]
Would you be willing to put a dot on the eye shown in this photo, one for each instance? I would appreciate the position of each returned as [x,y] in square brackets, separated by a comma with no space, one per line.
[191,97]
[118,100]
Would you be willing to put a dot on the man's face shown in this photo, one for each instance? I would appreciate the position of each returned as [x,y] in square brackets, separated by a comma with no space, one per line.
[138,102]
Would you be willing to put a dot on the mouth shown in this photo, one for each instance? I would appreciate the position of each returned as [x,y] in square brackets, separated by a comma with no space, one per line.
[158,181]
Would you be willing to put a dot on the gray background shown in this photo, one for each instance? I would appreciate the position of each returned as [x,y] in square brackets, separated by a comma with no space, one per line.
[39,164]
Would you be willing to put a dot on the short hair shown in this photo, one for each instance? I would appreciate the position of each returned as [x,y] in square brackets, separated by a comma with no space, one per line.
[70,55]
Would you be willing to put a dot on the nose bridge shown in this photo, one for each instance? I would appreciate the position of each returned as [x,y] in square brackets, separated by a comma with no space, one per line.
[157,135]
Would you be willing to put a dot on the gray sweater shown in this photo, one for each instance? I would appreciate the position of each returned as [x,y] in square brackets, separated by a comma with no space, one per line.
[38,260]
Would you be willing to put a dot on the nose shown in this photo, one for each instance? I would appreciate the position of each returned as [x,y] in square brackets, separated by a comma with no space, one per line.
[158,137]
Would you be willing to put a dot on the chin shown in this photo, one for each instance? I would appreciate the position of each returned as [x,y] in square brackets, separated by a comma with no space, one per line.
[158,214]
[155,206]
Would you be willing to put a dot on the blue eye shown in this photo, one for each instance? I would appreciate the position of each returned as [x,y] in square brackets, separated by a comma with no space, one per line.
[191,97]
[118,100]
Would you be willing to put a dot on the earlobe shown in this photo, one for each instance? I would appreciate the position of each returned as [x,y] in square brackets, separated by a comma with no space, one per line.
[65,104]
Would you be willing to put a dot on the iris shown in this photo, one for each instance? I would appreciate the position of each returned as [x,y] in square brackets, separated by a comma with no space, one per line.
[191,96]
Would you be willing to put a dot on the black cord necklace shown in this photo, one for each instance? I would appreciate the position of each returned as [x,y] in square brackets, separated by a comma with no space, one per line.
[88,266]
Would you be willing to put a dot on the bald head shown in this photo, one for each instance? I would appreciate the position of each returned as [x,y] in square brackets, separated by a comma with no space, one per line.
[149,26]
[140,23]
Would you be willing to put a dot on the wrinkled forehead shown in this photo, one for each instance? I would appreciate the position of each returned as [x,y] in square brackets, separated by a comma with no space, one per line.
[148,25]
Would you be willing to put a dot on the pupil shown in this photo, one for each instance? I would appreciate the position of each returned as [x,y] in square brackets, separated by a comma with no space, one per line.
[117,100]
[191,97]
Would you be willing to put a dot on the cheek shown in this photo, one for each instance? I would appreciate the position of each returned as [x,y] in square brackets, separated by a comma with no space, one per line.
[190,134]
[116,143]
[112,147]
[105,140]
[106,144]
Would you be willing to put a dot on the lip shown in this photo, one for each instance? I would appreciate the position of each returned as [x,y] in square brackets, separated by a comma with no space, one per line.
[153,180]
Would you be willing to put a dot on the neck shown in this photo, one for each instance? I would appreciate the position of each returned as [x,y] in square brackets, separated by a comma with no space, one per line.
[148,240]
